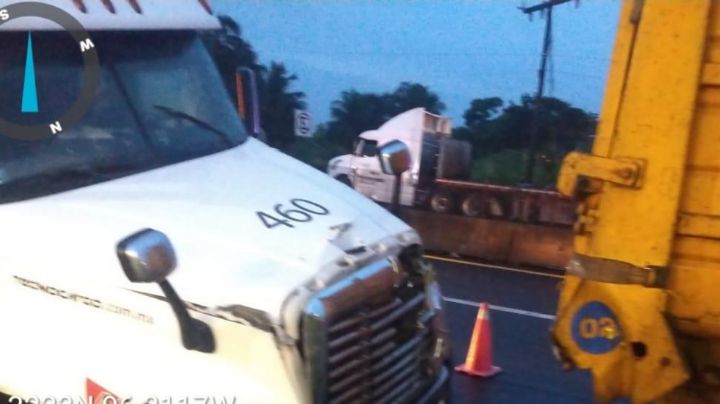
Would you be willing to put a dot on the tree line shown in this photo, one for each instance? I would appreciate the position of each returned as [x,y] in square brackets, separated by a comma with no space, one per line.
[278,101]
[491,125]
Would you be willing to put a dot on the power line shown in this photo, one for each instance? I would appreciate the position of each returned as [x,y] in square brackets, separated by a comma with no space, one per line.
[546,9]
[542,7]
[425,52]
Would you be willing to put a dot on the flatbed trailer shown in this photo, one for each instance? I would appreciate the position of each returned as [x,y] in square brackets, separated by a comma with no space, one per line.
[527,205]
[437,180]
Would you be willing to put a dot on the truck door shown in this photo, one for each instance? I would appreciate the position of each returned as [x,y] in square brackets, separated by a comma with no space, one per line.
[367,177]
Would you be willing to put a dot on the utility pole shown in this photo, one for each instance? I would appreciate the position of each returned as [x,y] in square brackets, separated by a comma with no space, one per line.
[546,8]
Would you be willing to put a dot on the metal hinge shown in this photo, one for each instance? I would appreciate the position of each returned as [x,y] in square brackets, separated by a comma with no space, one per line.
[620,171]
[614,271]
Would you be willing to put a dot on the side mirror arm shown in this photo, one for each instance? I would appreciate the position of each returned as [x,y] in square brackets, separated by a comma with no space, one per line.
[196,335]
[148,256]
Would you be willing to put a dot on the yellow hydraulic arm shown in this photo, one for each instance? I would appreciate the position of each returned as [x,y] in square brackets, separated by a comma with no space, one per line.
[640,304]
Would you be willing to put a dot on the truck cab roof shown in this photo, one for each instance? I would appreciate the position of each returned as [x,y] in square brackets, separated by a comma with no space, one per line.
[97,15]
[419,118]
[408,125]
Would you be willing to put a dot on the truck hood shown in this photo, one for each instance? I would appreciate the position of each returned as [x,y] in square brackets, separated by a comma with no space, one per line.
[212,209]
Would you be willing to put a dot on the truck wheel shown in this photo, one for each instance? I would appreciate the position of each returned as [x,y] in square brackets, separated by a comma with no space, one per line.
[472,205]
[495,208]
[442,202]
[344,179]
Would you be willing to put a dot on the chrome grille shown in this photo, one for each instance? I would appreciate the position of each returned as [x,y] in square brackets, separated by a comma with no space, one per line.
[368,338]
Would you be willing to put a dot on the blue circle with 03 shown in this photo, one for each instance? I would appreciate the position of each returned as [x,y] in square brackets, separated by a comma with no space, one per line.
[595,328]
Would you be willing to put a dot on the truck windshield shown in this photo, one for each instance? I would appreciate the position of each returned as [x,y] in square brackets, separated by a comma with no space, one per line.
[366,148]
[160,101]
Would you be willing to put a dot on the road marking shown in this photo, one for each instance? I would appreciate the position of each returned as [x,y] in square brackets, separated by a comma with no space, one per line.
[509,269]
[501,308]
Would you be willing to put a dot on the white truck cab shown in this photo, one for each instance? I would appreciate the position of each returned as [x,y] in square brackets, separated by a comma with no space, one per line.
[420,130]
[289,288]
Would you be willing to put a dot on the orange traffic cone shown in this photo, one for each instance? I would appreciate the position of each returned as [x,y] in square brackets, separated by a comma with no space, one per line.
[479,356]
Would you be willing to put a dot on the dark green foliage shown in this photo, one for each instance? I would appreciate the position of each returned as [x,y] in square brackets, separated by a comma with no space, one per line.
[230,51]
[507,167]
[317,150]
[491,129]
[357,112]
[495,129]
[412,95]
[499,131]
[277,101]
[481,111]
[278,104]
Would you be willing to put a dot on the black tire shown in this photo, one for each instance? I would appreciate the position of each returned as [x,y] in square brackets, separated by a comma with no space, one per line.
[442,202]
[344,179]
[472,205]
[495,208]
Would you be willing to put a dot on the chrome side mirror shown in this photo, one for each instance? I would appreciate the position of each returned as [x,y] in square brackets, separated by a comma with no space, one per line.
[248,101]
[146,256]
[394,158]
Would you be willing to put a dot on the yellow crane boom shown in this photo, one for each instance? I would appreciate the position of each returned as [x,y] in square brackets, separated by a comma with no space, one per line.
[640,304]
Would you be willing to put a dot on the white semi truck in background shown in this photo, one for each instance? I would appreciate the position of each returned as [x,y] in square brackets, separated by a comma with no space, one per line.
[290,288]
[420,130]
[438,175]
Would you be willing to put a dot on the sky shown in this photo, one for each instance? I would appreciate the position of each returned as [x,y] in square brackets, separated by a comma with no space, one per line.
[460,49]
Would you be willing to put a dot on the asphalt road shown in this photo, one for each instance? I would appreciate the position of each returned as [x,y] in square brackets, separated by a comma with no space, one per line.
[522,307]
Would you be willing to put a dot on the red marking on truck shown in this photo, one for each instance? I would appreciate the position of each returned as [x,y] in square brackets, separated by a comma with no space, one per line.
[98,394]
